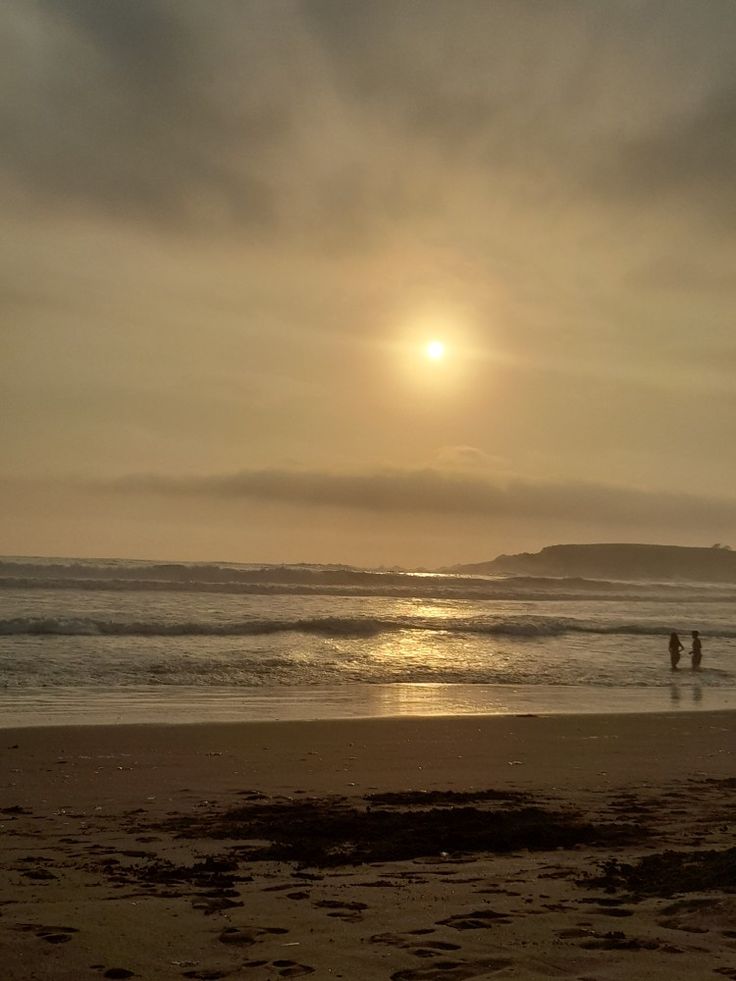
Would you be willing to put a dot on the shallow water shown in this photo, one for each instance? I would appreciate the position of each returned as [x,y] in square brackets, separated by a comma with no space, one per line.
[182,704]
[109,642]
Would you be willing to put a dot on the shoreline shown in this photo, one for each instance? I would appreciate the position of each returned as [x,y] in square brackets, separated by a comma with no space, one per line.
[30,707]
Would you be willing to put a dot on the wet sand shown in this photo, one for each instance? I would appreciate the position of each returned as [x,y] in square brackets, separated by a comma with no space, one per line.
[587,847]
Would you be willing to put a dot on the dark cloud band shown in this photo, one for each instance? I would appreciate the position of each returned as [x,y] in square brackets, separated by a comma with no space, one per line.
[437,492]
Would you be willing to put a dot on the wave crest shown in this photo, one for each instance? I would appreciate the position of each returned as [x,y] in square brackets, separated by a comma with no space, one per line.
[531,626]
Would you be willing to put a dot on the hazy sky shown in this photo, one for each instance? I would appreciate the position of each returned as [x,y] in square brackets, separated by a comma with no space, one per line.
[230,228]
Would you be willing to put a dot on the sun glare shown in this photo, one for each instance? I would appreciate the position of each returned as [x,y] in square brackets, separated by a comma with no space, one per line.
[435,350]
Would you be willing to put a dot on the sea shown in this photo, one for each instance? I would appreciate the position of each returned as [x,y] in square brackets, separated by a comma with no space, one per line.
[86,641]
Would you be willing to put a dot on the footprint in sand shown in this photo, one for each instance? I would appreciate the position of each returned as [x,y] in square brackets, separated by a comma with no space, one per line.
[429,948]
[602,901]
[395,939]
[39,875]
[215,904]
[290,969]
[206,974]
[51,934]
[343,911]
[453,970]
[698,915]
[433,949]
[439,945]
[616,940]
[246,936]
[477,920]
[236,936]
[675,924]
[575,933]
[336,904]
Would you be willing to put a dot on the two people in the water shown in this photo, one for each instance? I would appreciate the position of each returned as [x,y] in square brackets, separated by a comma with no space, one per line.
[676,648]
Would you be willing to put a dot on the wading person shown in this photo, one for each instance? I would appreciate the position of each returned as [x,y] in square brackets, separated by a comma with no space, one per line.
[675,648]
[696,654]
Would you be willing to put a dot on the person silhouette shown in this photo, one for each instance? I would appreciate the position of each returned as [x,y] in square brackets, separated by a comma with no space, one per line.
[675,648]
[696,654]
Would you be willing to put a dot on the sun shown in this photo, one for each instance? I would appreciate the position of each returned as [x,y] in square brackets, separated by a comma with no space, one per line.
[435,350]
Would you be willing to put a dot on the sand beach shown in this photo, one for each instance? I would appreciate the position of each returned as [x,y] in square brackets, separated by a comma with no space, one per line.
[586,847]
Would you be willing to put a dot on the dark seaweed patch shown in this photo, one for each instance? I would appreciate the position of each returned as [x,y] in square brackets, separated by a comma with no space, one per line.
[335,832]
[670,872]
[410,798]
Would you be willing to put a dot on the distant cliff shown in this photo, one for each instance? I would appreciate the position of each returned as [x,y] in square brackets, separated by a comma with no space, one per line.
[659,562]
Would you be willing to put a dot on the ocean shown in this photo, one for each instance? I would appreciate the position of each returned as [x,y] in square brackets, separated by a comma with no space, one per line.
[116,641]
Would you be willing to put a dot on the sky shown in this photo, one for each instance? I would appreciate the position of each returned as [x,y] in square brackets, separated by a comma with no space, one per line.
[230,230]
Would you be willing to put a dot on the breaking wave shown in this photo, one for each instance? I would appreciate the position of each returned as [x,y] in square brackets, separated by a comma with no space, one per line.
[117,575]
[514,626]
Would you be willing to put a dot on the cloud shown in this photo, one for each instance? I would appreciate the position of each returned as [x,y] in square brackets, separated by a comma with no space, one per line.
[341,118]
[114,106]
[692,158]
[433,491]
[467,458]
